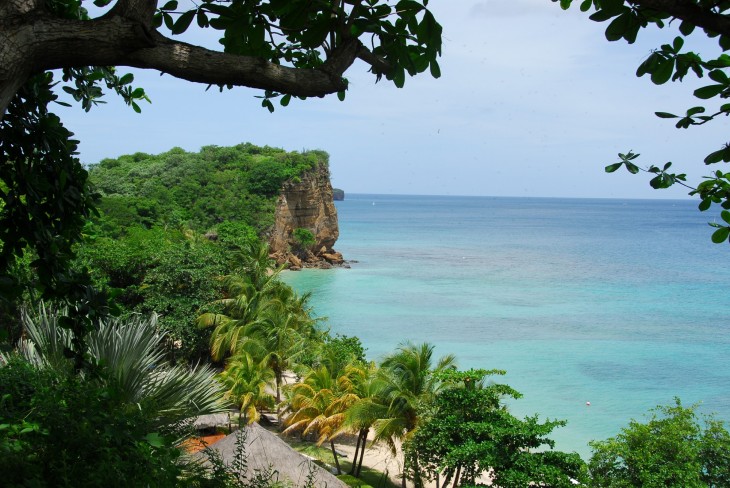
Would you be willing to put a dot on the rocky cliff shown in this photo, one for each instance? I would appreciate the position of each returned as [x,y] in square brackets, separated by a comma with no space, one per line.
[306,204]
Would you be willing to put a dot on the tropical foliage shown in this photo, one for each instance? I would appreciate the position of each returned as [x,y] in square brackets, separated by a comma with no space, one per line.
[129,355]
[673,61]
[469,434]
[197,190]
[217,297]
[673,448]
[118,424]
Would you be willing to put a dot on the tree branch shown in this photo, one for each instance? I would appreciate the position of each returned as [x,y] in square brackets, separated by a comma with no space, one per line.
[198,64]
[379,65]
[689,11]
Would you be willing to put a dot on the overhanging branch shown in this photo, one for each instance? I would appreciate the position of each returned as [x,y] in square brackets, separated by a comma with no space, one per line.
[691,12]
[198,64]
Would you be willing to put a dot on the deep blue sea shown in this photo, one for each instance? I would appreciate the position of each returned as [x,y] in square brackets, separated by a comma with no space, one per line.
[620,303]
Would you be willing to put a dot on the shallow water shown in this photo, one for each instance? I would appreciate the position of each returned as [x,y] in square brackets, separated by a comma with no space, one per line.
[616,302]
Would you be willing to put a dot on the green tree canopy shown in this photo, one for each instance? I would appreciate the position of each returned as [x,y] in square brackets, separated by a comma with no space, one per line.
[469,433]
[672,449]
[287,48]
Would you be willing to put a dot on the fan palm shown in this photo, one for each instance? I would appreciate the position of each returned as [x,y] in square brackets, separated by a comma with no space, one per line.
[131,354]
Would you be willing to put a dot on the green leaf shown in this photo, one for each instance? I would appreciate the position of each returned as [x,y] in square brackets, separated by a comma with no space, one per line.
[665,115]
[677,44]
[724,42]
[686,28]
[126,79]
[169,22]
[603,15]
[435,69]
[585,5]
[704,204]
[718,76]
[202,19]
[155,440]
[136,107]
[633,169]
[171,5]
[618,27]
[721,234]
[695,111]
[709,91]
[183,22]
[285,100]
[341,95]
[648,65]
[613,167]
[715,157]
[725,216]
[663,71]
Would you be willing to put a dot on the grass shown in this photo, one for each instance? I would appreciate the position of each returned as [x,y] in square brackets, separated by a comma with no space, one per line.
[369,478]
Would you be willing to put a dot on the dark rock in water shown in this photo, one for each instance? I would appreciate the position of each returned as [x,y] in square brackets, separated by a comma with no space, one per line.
[338,194]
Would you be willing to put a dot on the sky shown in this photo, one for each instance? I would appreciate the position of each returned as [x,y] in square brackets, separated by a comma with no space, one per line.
[532,101]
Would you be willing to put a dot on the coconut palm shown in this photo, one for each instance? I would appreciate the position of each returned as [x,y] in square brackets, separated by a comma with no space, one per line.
[284,335]
[131,353]
[245,381]
[255,264]
[318,405]
[365,383]
[409,386]
[243,309]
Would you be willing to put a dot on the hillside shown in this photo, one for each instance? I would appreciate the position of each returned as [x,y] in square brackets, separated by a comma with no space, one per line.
[197,190]
[172,224]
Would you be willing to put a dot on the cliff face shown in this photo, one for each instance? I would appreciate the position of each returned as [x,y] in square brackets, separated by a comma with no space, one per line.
[306,204]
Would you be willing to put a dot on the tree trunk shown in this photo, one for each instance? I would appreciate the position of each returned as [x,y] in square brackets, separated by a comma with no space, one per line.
[334,453]
[353,469]
[362,450]
[447,478]
[278,390]
[456,476]
[33,40]
[417,481]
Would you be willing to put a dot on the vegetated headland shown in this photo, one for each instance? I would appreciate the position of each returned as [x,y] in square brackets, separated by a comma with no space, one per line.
[189,247]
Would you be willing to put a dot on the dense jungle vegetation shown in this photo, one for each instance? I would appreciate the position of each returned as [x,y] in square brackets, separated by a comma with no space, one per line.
[200,322]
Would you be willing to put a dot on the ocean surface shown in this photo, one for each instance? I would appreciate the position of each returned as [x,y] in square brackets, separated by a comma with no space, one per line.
[620,303]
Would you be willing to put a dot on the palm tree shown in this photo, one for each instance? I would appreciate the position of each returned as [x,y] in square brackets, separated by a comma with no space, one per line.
[131,354]
[255,264]
[365,383]
[318,405]
[243,309]
[245,380]
[410,385]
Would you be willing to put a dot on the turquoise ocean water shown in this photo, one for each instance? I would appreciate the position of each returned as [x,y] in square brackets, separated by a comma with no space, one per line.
[621,303]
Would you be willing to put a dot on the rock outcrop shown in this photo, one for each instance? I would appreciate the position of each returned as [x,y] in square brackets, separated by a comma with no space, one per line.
[306,204]
[338,195]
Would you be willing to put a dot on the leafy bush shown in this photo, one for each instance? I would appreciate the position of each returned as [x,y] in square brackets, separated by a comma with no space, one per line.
[63,431]
[672,449]
[304,238]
